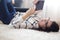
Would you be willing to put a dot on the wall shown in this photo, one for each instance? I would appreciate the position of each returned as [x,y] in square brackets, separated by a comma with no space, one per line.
[52,9]
[26,3]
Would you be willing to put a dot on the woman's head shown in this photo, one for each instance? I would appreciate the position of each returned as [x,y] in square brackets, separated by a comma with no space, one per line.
[48,25]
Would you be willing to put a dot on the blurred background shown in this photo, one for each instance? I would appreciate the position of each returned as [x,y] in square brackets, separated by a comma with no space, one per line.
[51,7]
[23,3]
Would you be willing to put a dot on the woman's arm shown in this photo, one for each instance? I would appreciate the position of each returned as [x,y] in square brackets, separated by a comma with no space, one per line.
[35,1]
[29,12]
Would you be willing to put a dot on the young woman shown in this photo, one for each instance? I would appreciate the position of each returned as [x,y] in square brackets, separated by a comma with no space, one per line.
[30,21]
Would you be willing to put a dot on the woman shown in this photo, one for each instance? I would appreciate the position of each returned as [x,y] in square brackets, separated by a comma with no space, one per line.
[30,21]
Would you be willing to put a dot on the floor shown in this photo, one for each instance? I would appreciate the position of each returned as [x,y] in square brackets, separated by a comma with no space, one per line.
[7,33]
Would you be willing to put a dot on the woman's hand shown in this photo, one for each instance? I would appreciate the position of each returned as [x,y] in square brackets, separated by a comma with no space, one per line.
[13,1]
[35,2]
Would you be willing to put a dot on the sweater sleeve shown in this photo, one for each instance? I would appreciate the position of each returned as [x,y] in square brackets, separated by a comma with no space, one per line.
[16,22]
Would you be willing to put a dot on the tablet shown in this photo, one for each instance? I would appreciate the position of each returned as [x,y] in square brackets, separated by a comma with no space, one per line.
[39,5]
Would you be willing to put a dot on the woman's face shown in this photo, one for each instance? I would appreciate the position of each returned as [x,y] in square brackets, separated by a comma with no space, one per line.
[45,23]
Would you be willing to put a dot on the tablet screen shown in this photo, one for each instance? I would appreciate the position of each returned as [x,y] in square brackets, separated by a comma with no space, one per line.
[39,5]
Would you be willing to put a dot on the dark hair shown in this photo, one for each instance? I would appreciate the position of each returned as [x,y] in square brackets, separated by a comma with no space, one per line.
[53,28]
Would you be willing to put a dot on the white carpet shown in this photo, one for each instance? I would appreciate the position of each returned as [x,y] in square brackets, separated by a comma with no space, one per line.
[26,34]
